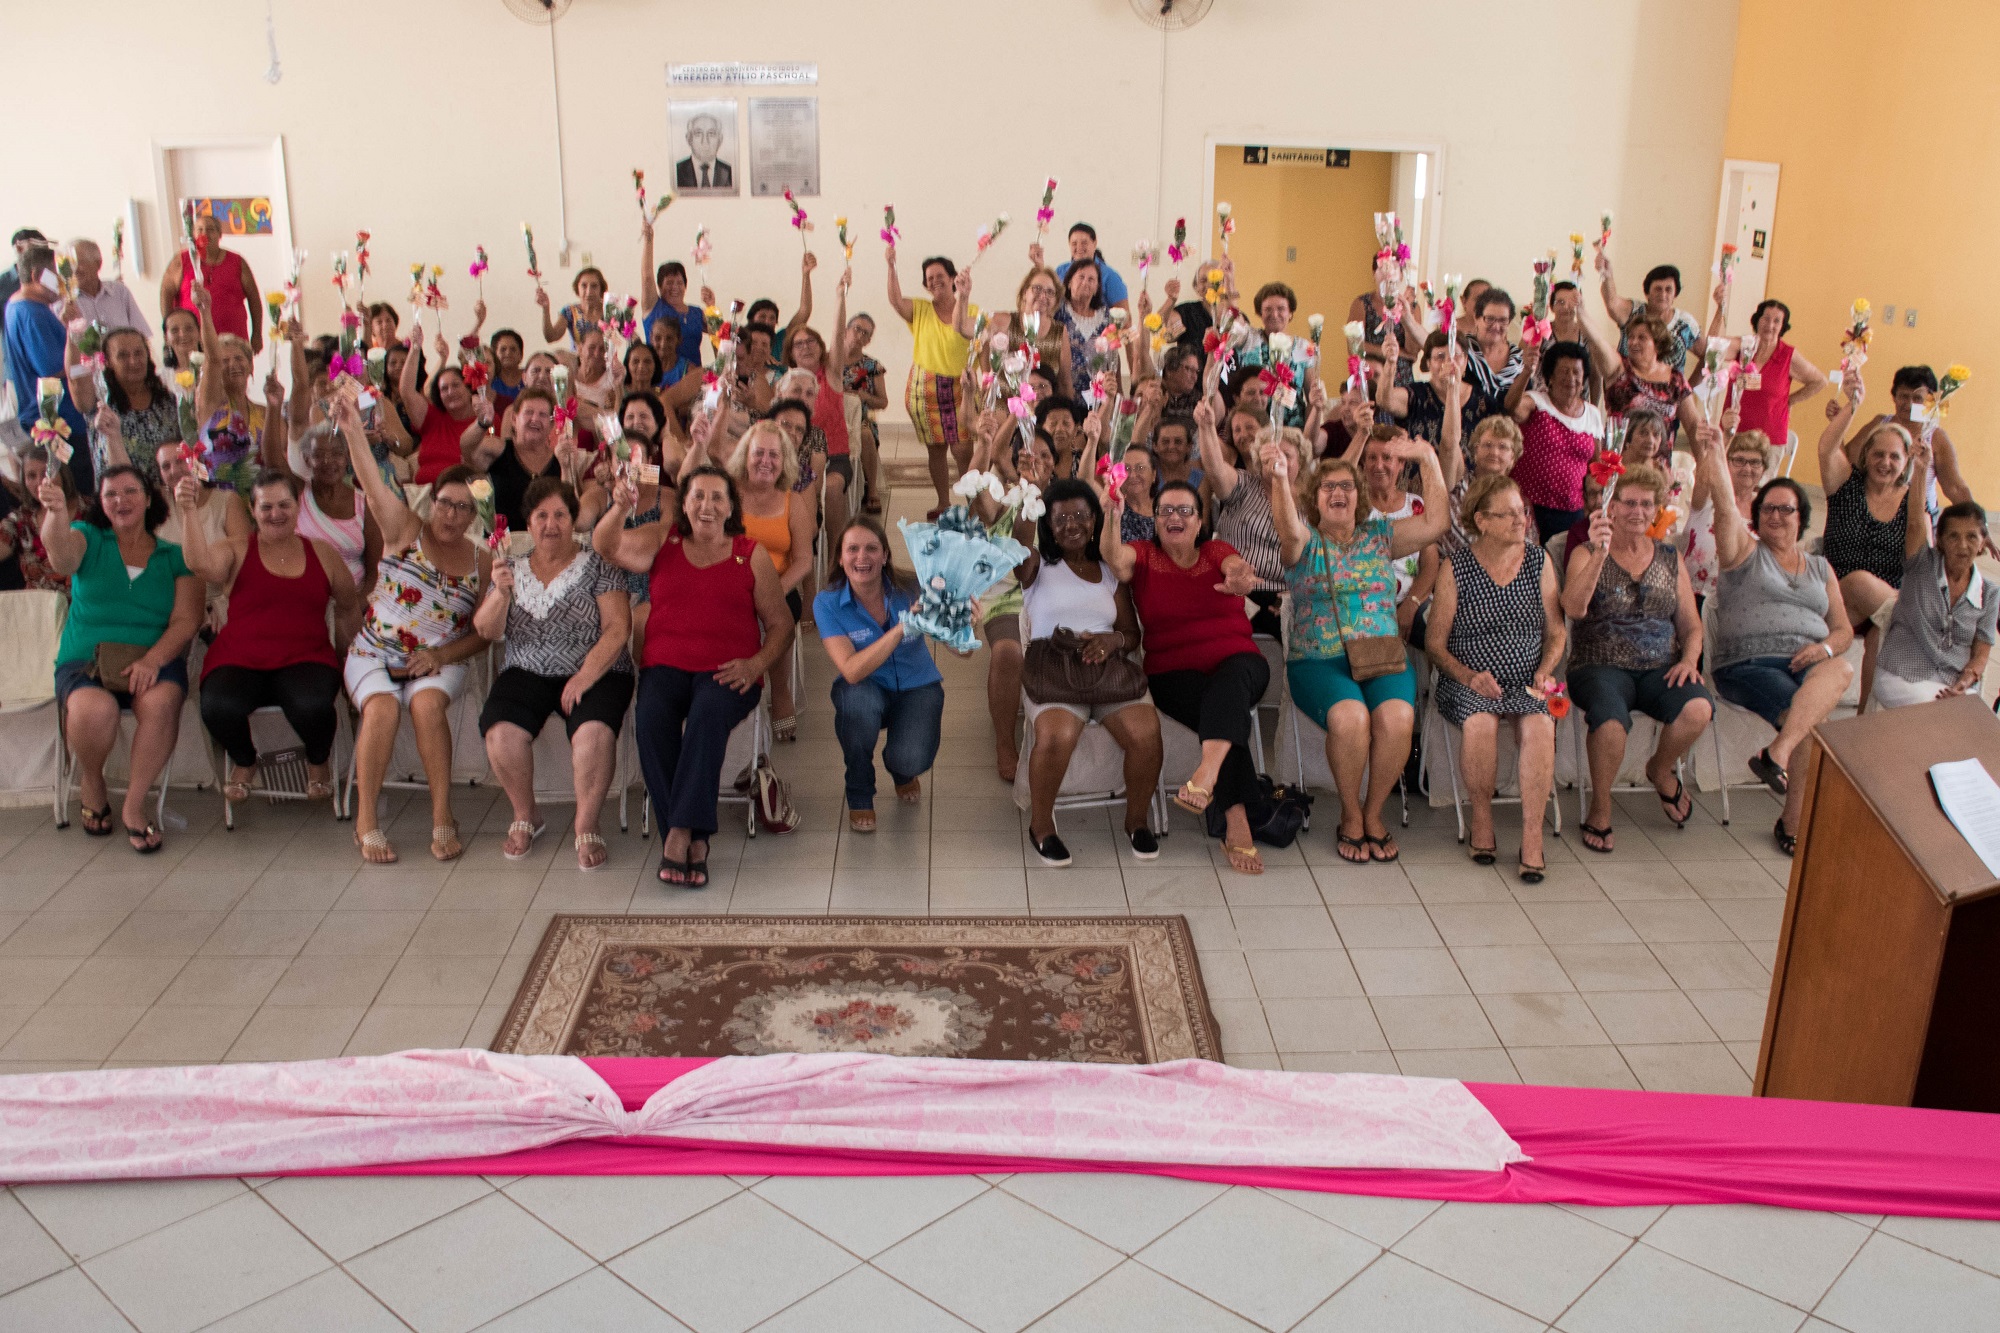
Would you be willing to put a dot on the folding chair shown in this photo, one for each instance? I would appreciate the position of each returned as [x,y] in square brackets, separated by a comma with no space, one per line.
[750,743]
[555,772]
[31,624]
[1434,718]
[281,762]
[1309,764]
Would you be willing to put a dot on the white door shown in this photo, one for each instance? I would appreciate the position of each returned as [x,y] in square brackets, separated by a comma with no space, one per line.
[1749,203]
[244,183]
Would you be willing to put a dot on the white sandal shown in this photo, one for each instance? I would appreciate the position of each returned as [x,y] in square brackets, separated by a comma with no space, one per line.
[376,840]
[590,840]
[533,831]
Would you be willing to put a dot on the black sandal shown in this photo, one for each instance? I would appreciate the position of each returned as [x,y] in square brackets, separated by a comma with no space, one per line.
[1788,843]
[669,866]
[1670,804]
[1381,844]
[1598,839]
[145,841]
[1531,874]
[1358,844]
[697,870]
[1768,772]
[97,823]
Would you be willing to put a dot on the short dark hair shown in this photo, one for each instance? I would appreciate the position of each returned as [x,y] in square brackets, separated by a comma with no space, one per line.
[1202,533]
[1914,377]
[799,405]
[1560,351]
[1564,286]
[673,268]
[27,234]
[653,405]
[1181,420]
[384,308]
[733,525]
[1048,407]
[1176,355]
[1083,227]
[770,332]
[1660,271]
[498,334]
[458,474]
[540,489]
[1096,300]
[33,260]
[532,394]
[761,303]
[1766,304]
[1494,296]
[274,476]
[950,269]
[1269,290]
[1798,494]
[1060,490]
[1970,510]
[156,503]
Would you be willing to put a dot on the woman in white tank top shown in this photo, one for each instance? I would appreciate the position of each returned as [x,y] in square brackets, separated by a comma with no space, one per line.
[1066,584]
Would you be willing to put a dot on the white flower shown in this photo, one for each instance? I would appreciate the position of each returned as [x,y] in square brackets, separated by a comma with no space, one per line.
[1281,345]
[1032,507]
[481,488]
[971,484]
[1016,365]
[994,490]
[1316,323]
[1222,210]
[1000,343]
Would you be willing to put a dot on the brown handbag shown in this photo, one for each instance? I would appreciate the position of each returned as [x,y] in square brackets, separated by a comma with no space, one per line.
[111,661]
[1369,656]
[1054,672]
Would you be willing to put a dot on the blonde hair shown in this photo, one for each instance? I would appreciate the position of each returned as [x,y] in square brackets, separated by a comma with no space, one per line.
[1309,484]
[739,458]
[1482,490]
[1291,437]
[1501,426]
[797,383]
[236,343]
[1886,428]
[1752,441]
[1642,475]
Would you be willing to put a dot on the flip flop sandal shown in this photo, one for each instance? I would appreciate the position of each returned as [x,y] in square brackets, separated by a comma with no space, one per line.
[1672,804]
[1359,844]
[446,835]
[533,831]
[1597,839]
[375,840]
[97,823]
[1788,843]
[595,840]
[1251,855]
[1383,845]
[1768,772]
[145,841]
[1195,800]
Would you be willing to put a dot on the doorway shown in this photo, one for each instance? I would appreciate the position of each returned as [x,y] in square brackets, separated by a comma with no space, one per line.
[1749,204]
[242,183]
[1305,216]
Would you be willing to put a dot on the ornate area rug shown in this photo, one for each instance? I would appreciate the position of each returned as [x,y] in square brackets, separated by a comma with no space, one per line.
[1119,989]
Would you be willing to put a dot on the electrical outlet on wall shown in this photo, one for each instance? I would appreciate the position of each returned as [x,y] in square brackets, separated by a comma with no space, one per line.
[1889,315]
[1291,254]
[1910,318]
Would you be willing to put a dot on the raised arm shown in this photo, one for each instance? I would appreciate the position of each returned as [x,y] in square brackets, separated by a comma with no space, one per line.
[1586,562]
[1615,306]
[210,396]
[1733,542]
[109,429]
[398,524]
[64,544]
[1393,401]
[1420,530]
[1215,465]
[554,329]
[649,287]
[1834,466]
[1451,391]
[1917,514]
[630,549]
[897,301]
[961,288]
[300,408]
[835,352]
[1111,543]
[807,263]
[415,405]
[1292,532]
[215,562]
[1518,405]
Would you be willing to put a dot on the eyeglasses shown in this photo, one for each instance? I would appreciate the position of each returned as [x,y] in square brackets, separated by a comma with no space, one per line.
[453,506]
[1781,510]
[1635,502]
[1747,460]
[1505,515]
[1082,520]
[1337,487]
[1177,511]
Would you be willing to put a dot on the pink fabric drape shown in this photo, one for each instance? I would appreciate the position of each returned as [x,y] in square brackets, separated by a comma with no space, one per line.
[426,1105]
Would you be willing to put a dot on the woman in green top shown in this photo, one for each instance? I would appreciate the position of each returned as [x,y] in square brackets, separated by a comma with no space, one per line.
[131,597]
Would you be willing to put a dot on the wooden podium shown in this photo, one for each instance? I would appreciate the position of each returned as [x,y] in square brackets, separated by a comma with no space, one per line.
[1886,986]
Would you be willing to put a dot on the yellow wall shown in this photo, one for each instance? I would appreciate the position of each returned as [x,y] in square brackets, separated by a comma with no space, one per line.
[1881,118]
[1327,214]
[429,124]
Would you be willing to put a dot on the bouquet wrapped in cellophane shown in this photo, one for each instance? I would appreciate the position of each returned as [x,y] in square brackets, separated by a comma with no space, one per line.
[957,560]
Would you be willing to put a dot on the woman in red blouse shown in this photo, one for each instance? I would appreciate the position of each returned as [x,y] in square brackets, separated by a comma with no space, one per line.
[1203,667]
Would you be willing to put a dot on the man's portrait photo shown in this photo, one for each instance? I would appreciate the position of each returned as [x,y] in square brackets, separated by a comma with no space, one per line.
[709,131]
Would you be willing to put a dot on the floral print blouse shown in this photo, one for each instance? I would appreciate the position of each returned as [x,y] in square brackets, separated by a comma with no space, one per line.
[1359,574]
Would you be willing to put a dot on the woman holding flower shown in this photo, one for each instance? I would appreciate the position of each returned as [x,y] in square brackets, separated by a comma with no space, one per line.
[232,427]
[586,312]
[148,417]
[1495,634]
[941,338]
[416,637]
[20,528]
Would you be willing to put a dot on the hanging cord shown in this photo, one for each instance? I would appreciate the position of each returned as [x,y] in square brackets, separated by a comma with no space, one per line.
[276,71]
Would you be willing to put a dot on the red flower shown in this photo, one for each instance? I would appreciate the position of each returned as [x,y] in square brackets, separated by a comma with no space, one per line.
[1071,1021]
[1605,467]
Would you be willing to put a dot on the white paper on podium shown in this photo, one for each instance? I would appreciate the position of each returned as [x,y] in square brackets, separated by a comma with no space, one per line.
[1971,800]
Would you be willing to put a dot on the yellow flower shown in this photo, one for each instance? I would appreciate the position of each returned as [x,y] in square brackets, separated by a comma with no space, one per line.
[184,378]
[1576,238]
[1154,322]
[481,488]
[840,222]
[1961,373]
[1861,306]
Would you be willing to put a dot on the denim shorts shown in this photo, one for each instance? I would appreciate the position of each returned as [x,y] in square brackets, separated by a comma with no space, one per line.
[1764,685]
[74,676]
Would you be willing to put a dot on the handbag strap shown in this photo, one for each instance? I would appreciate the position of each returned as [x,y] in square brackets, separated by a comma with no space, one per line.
[1332,586]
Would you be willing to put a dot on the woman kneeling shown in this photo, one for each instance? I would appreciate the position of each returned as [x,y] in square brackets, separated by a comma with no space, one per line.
[887,680]
[564,613]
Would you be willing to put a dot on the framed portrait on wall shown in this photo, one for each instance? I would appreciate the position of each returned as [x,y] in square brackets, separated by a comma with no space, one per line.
[784,145]
[707,149]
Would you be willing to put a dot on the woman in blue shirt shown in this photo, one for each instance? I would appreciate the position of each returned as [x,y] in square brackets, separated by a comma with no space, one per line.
[887,679]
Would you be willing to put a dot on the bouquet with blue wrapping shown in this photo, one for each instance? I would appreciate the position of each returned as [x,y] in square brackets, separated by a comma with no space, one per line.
[956,560]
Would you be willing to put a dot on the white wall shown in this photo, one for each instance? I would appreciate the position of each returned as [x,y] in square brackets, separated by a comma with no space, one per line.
[428,122]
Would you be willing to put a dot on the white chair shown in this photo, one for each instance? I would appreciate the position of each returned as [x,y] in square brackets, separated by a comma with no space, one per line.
[555,777]
[1309,767]
[749,746]
[468,753]
[1787,453]
[1095,778]
[1506,771]
[281,762]
[31,747]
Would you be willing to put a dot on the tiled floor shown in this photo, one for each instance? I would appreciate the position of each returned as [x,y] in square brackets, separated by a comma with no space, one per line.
[1648,968]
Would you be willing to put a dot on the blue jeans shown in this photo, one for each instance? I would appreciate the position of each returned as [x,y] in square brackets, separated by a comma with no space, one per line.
[1764,685]
[914,719]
